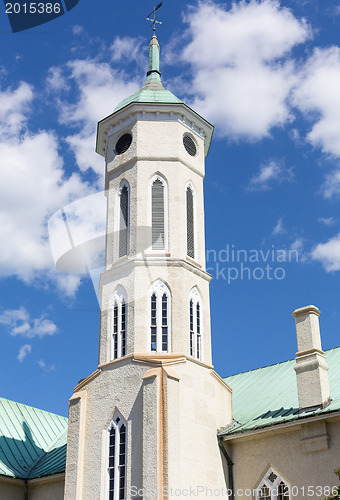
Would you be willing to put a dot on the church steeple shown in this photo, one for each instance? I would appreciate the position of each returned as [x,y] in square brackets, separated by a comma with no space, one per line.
[154,59]
[152,90]
[154,146]
[154,372]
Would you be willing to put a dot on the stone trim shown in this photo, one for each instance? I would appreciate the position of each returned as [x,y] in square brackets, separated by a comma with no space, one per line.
[11,480]
[304,311]
[86,380]
[48,479]
[309,351]
[221,381]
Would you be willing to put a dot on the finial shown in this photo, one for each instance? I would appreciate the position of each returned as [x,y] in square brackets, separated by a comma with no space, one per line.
[154,20]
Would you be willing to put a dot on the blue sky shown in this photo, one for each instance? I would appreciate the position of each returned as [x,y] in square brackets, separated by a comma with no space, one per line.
[267,75]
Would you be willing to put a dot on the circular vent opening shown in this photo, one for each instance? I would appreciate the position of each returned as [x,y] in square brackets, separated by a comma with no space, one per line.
[189,145]
[123,144]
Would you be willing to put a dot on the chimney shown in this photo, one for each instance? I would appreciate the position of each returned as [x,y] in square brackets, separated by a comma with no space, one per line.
[311,367]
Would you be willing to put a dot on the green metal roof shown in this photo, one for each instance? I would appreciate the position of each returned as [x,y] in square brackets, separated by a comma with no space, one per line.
[153,90]
[32,441]
[268,396]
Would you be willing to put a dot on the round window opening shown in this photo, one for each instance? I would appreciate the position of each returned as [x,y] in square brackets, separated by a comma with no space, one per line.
[123,144]
[189,145]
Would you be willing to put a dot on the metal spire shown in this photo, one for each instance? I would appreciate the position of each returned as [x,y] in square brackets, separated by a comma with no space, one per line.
[154,20]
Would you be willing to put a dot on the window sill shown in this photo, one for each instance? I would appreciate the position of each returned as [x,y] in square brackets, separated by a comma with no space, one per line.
[193,261]
[155,253]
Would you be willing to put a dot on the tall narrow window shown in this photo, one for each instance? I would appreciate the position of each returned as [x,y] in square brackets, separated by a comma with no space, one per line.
[273,487]
[159,318]
[192,333]
[283,491]
[115,330]
[124,215]
[119,321]
[158,223]
[198,331]
[123,328]
[153,322]
[117,459]
[164,322]
[190,223]
[265,493]
[195,339]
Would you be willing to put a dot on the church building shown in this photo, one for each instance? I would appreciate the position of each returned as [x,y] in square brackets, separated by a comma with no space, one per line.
[155,420]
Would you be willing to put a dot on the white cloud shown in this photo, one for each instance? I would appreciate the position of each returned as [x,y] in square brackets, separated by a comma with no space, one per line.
[23,351]
[317,95]
[100,89]
[68,284]
[296,251]
[297,245]
[55,79]
[279,227]
[328,254]
[33,185]
[126,47]
[83,147]
[19,322]
[77,234]
[331,185]
[77,29]
[269,173]
[13,107]
[45,367]
[242,75]
[328,221]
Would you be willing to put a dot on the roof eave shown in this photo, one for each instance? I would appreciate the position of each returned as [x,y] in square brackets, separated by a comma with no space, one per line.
[230,434]
[100,148]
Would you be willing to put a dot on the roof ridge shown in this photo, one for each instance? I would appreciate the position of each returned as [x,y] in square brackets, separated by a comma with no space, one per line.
[45,452]
[33,407]
[273,364]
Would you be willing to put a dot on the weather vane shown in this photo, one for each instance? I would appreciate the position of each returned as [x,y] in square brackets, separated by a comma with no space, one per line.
[154,20]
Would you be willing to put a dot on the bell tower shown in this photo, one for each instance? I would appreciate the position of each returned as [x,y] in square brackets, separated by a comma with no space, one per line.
[154,147]
[146,420]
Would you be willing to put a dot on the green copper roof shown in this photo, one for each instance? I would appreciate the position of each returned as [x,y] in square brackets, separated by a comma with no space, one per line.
[153,90]
[32,441]
[268,396]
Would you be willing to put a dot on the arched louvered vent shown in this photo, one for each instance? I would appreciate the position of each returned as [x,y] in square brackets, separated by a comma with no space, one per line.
[190,223]
[189,145]
[124,222]
[158,214]
[123,144]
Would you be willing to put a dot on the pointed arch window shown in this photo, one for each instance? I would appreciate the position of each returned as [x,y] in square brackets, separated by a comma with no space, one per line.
[159,318]
[195,315]
[116,469]
[190,221]
[273,487]
[124,220]
[158,214]
[119,322]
